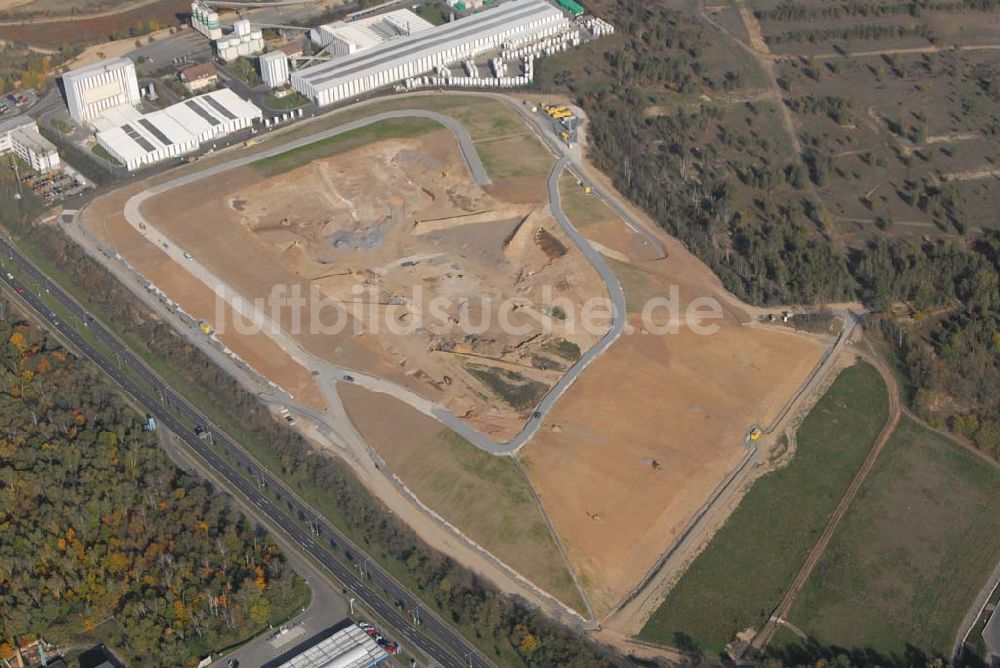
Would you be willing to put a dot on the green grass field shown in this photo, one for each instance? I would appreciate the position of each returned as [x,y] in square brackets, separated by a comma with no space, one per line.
[746,568]
[582,209]
[297,157]
[911,554]
[103,154]
[289,101]
[487,497]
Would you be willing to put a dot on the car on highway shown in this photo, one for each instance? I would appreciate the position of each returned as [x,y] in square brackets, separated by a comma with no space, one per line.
[10,276]
[349,378]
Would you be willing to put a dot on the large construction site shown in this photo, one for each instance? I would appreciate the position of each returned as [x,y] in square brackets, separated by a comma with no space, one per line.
[387,229]
[624,459]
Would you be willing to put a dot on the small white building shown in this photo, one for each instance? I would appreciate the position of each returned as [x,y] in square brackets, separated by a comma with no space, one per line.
[19,135]
[243,41]
[144,139]
[274,68]
[94,89]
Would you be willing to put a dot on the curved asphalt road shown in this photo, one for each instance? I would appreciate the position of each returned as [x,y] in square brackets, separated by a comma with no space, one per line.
[333,373]
[617,326]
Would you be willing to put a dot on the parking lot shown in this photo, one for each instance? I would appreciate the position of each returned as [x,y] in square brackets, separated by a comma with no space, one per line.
[16,102]
[55,186]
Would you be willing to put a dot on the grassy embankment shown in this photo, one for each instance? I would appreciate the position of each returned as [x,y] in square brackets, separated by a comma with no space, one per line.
[746,568]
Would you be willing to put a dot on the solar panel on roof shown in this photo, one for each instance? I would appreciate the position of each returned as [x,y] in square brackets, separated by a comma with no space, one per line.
[138,138]
[155,131]
[218,107]
[201,111]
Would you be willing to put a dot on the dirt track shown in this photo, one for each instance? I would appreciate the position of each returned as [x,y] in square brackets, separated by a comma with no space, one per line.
[765,634]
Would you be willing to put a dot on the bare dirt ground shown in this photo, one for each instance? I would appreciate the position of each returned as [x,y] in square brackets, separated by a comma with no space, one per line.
[655,424]
[366,236]
[105,219]
[632,450]
[55,31]
[61,7]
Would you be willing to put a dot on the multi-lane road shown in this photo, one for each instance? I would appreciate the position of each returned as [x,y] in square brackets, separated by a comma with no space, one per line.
[434,637]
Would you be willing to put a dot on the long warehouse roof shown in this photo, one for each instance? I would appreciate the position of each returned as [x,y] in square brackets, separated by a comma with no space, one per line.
[181,123]
[427,42]
[341,646]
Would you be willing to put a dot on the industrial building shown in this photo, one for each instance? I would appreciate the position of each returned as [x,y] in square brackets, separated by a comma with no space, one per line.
[245,40]
[93,90]
[205,20]
[19,135]
[341,646]
[137,140]
[274,68]
[395,60]
[342,38]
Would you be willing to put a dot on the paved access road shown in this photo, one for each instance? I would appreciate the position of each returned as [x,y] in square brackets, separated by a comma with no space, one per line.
[441,642]
[333,372]
[617,325]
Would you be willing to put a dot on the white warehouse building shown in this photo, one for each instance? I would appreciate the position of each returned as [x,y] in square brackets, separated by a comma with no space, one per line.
[412,55]
[342,38]
[274,68]
[94,89]
[144,139]
[19,135]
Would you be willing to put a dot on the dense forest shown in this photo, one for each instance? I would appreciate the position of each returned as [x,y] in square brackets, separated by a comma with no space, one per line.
[717,180]
[96,524]
[506,628]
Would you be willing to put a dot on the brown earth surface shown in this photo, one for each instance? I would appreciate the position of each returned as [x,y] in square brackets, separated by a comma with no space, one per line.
[74,31]
[366,236]
[365,227]
[104,217]
[683,401]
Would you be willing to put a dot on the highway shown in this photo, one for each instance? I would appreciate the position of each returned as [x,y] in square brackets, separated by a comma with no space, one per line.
[173,412]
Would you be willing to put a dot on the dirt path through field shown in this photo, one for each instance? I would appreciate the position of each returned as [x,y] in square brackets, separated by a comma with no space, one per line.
[888,52]
[764,636]
[120,9]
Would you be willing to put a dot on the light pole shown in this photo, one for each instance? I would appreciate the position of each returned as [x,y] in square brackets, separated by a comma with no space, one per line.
[17,175]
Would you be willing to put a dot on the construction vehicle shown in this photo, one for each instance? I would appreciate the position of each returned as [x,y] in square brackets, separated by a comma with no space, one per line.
[586,187]
[755,434]
[204,327]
